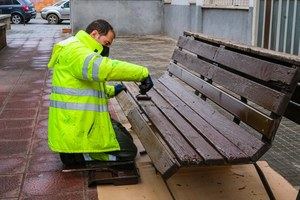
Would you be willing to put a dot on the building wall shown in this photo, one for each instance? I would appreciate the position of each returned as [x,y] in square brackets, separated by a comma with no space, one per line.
[177,18]
[140,17]
[233,24]
[128,17]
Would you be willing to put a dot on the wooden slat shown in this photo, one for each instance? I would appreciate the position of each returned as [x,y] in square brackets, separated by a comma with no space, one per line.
[165,161]
[259,121]
[126,102]
[221,143]
[162,157]
[258,68]
[241,138]
[206,151]
[200,48]
[186,155]
[264,96]
[270,54]
[261,69]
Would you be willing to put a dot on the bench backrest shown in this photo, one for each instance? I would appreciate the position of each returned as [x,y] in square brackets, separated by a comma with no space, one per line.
[253,84]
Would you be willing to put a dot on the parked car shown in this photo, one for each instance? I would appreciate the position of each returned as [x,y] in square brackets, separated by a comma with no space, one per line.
[57,13]
[20,10]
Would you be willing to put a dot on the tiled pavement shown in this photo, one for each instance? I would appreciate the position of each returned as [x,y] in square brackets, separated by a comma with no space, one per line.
[284,156]
[28,170]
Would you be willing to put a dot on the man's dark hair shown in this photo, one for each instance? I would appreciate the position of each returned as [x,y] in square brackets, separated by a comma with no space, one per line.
[101,26]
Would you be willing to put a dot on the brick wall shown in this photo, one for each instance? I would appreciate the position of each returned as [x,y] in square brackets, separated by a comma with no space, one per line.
[40,4]
[2,35]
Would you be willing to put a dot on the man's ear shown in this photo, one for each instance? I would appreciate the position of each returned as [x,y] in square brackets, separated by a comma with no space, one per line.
[94,33]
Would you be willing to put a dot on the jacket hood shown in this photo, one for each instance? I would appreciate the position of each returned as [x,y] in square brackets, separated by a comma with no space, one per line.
[82,37]
[89,41]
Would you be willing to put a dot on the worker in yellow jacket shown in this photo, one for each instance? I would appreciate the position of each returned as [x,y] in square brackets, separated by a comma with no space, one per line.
[79,126]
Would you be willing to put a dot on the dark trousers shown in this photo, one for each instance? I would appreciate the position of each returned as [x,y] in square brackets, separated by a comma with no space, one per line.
[127,151]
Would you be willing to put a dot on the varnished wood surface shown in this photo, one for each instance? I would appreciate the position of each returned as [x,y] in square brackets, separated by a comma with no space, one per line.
[262,95]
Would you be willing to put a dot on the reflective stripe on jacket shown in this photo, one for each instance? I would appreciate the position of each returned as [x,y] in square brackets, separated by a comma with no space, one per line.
[79,121]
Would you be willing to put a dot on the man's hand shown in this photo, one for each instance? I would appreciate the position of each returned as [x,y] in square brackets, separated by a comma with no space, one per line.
[146,85]
[119,88]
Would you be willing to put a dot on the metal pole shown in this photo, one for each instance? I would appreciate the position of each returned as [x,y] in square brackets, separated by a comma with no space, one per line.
[278,25]
[286,24]
[293,27]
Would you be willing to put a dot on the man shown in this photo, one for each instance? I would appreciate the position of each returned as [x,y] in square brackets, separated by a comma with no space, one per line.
[79,126]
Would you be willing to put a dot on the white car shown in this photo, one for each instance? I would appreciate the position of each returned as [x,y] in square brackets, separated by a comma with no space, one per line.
[57,13]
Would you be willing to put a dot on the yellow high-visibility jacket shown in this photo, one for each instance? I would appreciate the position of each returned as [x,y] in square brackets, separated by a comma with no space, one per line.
[79,121]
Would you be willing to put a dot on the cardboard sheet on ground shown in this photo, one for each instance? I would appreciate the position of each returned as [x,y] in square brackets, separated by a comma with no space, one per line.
[230,182]
[224,182]
[219,182]
[280,187]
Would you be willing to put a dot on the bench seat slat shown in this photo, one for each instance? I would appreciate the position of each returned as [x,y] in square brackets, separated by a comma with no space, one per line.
[162,157]
[259,121]
[266,97]
[185,153]
[206,151]
[231,152]
[237,135]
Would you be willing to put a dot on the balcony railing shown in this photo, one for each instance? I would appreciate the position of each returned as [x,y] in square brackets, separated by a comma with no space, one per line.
[226,3]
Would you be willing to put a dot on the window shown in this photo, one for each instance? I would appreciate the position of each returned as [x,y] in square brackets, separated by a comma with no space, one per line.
[5,2]
[15,2]
[59,3]
[67,5]
[27,2]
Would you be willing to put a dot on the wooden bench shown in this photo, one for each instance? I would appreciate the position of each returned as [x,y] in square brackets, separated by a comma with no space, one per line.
[2,35]
[5,19]
[219,103]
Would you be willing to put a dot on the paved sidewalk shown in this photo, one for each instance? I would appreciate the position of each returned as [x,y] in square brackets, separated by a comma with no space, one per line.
[28,170]
[284,155]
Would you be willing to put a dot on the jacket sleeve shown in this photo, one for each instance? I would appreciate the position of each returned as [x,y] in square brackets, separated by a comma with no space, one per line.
[110,90]
[91,66]
[116,70]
